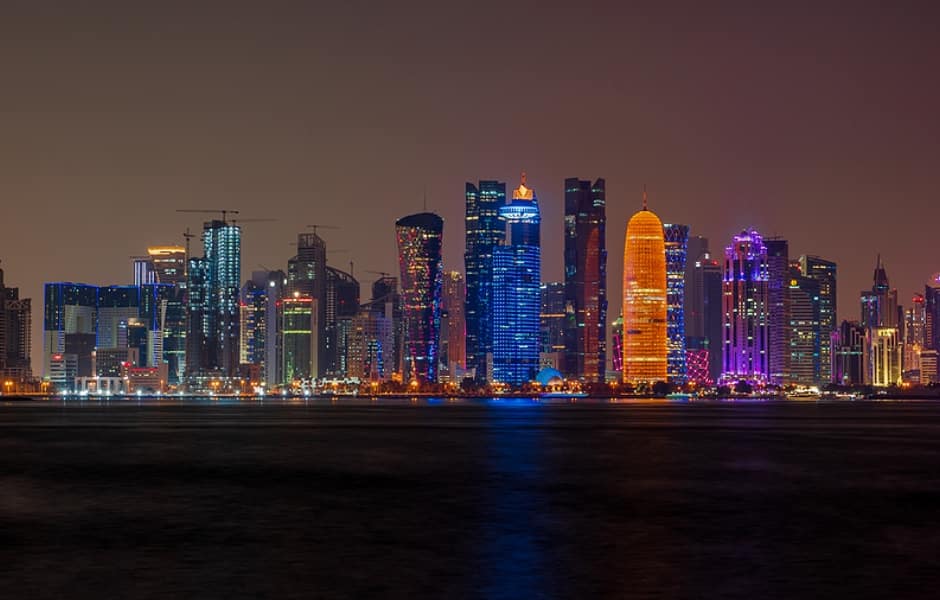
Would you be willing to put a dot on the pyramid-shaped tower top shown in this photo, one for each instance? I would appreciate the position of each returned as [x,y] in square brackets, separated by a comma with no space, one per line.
[881,275]
[522,192]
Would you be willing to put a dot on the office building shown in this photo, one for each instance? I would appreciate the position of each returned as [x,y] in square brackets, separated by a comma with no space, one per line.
[420,239]
[454,325]
[15,337]
[746,303]
[677,239]
[645,337]
[777,310]
[585,354]
[517,298]
[485,230]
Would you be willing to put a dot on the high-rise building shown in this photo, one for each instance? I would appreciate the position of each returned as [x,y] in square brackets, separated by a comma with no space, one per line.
[880,316]
[419,257]
[848,362]
[297,315]
[342,304]
[485,230]
[213,287]
[387,300]
[824,271]
[915,338]
[553,319]
[253,326]
[677,239]
[169,264]
[517,301]
[144,272]
[704,316]
[585,355]
[746,305]
[69,332]
[645,338]
[370,343]
[307,274]
[804,331]
[932,315]
[454,341]
[777,309]
[15,335]
[118,305]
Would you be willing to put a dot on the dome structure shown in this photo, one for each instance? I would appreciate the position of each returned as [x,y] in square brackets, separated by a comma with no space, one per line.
[549,376]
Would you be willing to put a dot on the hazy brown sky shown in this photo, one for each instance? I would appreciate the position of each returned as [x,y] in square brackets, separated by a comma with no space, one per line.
[814,121]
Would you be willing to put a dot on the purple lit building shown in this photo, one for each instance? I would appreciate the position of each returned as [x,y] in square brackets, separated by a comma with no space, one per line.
[745,303]
[422,277]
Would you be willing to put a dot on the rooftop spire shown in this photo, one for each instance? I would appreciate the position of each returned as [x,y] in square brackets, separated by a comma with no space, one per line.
[645,199]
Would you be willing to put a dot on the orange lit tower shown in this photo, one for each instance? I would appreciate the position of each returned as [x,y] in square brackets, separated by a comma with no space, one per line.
[645,343]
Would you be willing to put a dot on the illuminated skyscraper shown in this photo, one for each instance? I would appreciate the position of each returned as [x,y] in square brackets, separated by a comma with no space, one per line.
[169,264]
[253,327]
[804,335]
[454,343]
[746,299]
[585,280]
[677,238]
[213,287]
[484,231]
[915,337]
[848,364]
[419,257]
[553,319]
[69,331]
[881,318]
[824,271]
[298,331]
[307,274]
[342,304]
[645,339]
[517,298]
[778,309]
[932,326]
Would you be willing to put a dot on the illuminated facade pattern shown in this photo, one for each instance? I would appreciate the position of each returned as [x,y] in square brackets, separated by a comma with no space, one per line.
[485,230]
[517,296]
[915,338]
[70,329]
[297,316]
[213,286]
[454,343]
[880,315]
[932,325]
[253,327]
[699,368]
[169,264]
[745,294]
[804,335]
[778,298]
[369,344]
[585,279]
[616,340]
[553,318]
[419,257]
[677,239]
[645,340]
[307,275]
[825,272]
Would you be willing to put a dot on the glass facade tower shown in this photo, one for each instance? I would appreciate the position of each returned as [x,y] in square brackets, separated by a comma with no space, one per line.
[677,239]
[746,298]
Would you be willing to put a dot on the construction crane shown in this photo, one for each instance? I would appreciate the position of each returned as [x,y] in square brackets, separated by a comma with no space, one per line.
[315,227]
[237,221]
[222,211]
[382,273]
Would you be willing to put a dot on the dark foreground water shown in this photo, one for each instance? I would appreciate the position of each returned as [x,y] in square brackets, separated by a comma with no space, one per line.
[470,500]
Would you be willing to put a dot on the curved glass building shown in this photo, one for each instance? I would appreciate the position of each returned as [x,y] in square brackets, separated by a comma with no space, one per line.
[645,343]
[419,257]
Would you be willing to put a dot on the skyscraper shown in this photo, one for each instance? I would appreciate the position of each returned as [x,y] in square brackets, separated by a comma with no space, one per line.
[517,298]
[213,286]
[253,326]
[824,271]
[880,317]
[484,231]
[932,326]
[454,345]
[419,257]
[169,264]
[15,335]
[704,316]
[645,338]
[677,238]
[298,329]
[746,303]
[848,364]
[585,279]
[307,274]
[553,319]
[778,309]
[804,331]
[342,304]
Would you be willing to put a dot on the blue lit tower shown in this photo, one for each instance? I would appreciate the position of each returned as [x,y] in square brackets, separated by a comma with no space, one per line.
[745,290]
[585,309]
[517,296]
[422,277]
[214,283]
[484,231]
[677,239]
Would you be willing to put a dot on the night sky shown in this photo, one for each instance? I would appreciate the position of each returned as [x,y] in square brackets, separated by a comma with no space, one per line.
[814,121]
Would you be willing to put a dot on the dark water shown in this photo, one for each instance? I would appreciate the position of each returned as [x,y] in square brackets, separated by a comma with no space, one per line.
[468,500]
